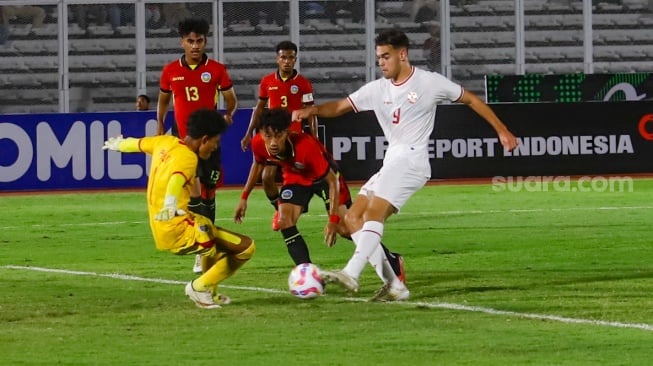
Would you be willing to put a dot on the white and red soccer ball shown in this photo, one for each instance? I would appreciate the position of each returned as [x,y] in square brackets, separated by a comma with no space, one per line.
[304,281]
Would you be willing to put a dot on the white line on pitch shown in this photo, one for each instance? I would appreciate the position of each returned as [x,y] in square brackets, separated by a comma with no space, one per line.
[404,214]
[448,306]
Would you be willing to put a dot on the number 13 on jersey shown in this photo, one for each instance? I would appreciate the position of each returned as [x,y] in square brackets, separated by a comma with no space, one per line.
[192,94]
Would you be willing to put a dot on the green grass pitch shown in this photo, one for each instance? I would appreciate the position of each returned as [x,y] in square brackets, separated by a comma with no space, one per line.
[534,274]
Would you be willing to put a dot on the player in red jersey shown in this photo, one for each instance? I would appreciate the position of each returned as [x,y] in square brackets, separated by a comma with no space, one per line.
[195,81]
[307,170]
[283,88]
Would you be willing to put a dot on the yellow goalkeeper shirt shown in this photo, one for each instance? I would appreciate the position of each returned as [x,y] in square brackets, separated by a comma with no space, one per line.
[170,157]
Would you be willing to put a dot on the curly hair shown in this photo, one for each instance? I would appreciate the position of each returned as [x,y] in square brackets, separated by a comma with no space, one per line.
[193,25]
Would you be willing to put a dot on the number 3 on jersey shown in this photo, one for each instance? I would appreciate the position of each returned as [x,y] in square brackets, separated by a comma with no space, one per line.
[395,116]
[192,94]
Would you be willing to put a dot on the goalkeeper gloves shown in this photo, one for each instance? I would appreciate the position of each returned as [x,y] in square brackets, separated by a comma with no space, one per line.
[113,143]
[169,209]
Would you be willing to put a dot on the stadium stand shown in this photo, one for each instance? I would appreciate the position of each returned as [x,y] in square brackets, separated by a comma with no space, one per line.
[332,54]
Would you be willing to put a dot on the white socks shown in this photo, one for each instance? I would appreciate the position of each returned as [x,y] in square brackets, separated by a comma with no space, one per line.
[368,249]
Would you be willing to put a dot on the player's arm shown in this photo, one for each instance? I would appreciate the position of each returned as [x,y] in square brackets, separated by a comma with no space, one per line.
[254,176]
[331,229]
[161,111]
[507,139]
[253,123]
[328,110]
[231,103]
[118,143]
[312,122]
[171,200]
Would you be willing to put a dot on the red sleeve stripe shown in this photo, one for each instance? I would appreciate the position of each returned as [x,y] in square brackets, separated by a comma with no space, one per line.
[182,174]
[462,92]
[353,105]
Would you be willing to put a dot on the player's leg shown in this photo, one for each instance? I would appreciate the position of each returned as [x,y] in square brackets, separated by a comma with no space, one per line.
[268,178]
[379,258]
[202,201]
[228,252]
[209,172]
[293,202]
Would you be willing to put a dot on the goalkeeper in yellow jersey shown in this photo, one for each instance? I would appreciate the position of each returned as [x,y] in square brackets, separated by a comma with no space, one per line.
[169,188]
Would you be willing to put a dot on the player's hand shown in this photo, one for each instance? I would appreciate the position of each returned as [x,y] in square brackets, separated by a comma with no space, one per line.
[229,119]
[167,213]
[169,209]
[508,140]
[300,114]
[113,143]
[239,213]
[244,143]
[330,234]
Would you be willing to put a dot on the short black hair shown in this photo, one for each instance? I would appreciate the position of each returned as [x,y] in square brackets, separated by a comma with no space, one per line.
[147,99]
[193,25]
[205,122]
[392,37]
[286,45]
[275,119]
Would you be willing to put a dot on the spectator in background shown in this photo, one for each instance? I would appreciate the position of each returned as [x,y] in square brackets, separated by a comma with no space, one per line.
[173,14]
[334,10]
[35,14]
[4,29]
[86,13]
[432,49]
[153,18]
[425,10]
[142,103]
[120,15]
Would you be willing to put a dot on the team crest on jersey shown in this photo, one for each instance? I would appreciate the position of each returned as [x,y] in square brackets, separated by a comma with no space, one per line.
[294,89]
[206,77]
[286,194]
[412,97]
[203,228]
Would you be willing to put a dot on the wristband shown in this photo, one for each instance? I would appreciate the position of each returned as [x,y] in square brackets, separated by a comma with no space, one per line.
[334,219]
[244,195]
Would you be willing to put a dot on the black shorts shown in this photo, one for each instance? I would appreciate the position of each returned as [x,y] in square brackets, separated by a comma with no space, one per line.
[209,171]
[301,195]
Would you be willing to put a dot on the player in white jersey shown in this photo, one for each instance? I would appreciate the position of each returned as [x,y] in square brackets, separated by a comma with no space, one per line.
[404,102]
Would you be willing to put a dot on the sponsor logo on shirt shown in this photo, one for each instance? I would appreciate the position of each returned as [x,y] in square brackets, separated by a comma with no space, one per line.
[206,77]
[178,78]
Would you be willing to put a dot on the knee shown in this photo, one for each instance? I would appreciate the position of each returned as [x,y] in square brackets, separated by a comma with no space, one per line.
[353,223]
[248,252]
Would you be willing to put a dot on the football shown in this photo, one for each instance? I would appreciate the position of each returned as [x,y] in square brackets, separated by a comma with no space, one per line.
[304,281]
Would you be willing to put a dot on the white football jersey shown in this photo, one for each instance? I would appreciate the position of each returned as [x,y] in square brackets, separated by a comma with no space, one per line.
[406,111]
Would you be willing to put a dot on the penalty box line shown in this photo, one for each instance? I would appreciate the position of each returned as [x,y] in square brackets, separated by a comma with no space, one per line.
[428,305]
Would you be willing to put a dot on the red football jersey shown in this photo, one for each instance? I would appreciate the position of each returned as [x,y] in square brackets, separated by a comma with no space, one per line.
[293,93]
[193,89]
[305,163]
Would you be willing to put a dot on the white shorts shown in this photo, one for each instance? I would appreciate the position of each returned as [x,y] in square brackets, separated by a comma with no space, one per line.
[399,178]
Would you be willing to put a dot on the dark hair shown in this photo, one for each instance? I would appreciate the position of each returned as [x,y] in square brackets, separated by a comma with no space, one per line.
[275,119]
[147,99]
[392,37]
[205,122]
[193,25]
[286,45]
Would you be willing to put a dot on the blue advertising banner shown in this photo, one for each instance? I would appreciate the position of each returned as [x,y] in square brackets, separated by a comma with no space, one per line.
[64,151]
